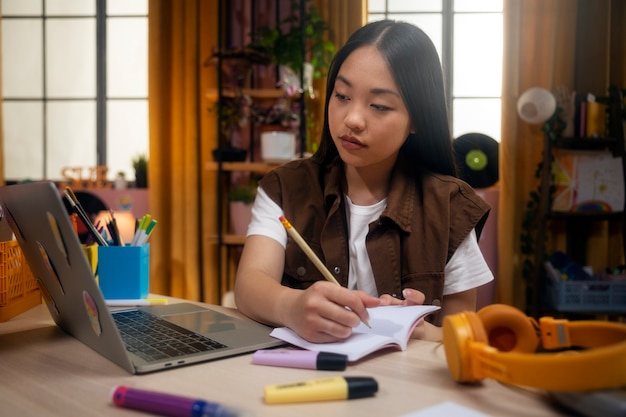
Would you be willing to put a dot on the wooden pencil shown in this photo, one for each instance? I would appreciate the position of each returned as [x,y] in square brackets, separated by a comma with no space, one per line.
[310,254]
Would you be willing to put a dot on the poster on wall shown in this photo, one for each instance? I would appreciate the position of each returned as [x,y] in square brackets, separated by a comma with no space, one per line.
[587,181]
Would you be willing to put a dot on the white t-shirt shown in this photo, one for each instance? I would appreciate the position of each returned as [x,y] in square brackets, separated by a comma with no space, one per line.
[466,269]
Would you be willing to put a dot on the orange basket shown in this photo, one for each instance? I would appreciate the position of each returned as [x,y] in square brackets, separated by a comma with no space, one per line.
[19,290]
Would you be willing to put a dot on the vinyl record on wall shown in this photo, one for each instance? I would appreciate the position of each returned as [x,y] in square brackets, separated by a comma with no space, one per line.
[477,159]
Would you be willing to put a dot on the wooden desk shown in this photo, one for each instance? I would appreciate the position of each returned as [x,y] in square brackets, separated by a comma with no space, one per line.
[46,372]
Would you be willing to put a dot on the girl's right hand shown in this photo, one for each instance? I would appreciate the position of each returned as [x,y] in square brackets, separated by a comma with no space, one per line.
[326,312]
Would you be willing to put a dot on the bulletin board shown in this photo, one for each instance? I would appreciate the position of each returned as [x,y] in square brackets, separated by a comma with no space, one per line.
[587,181]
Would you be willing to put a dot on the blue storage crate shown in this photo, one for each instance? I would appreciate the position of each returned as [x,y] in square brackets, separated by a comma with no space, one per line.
[587,296]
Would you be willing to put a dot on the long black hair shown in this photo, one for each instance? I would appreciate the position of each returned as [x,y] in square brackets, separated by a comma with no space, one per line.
[415,67]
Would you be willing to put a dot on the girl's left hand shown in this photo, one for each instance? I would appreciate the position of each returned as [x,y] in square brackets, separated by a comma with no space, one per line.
[423,330]
[411,297]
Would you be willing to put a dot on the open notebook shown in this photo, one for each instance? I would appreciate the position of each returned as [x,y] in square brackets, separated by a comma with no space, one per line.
[390,327]
[190,333]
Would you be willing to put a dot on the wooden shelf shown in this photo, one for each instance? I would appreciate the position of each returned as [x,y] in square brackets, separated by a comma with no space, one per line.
[260,93]
[261,167]
[228,239]
[584,143]
[582,215]
[577,225]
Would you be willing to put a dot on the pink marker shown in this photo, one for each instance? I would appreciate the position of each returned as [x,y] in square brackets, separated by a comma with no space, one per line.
[170,405]
[307,359]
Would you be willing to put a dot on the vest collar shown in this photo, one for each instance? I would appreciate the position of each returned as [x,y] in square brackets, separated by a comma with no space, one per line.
[399,200]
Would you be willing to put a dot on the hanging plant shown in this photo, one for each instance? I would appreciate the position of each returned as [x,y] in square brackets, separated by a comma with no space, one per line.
[294,41]
[553,128]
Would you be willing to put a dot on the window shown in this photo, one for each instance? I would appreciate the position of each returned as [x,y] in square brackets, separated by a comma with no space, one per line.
[468,37]
[74,84]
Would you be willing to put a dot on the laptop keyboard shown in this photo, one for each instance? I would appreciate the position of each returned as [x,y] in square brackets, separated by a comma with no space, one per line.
[152,338]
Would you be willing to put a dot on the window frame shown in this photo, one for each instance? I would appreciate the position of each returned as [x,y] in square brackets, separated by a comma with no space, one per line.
[447,48]
[101,99]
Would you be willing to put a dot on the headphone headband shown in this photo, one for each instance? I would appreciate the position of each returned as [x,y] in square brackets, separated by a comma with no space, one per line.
[559,333]
[595,359]
[595,369]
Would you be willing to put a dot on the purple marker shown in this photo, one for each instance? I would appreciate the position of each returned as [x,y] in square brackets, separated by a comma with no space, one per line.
[169,405]
[322,361]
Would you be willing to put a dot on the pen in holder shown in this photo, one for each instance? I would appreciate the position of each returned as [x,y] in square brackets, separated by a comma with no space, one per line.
[123,271]
[91,252]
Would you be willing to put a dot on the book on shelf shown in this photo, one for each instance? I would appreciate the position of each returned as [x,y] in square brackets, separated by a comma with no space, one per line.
[390,327]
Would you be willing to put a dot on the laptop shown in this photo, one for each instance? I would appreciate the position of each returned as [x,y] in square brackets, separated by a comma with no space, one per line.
[40,222]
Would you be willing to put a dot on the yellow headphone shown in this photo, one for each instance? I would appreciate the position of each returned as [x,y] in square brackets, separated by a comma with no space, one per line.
[500,342]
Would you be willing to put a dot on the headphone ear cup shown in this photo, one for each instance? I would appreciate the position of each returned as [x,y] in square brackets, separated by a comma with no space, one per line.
[508,329]
[459,331]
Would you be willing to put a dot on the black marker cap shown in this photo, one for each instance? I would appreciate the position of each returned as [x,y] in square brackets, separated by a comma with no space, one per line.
[327,361]
[361,386]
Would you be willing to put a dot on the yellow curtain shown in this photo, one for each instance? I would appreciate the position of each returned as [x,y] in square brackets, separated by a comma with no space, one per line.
[343,17]
[173,168]
[547,44]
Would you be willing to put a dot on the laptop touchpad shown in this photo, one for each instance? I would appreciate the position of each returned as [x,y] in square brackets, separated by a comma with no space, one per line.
[206,321]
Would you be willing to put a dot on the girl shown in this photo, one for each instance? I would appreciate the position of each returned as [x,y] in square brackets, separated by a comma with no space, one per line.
[379,201]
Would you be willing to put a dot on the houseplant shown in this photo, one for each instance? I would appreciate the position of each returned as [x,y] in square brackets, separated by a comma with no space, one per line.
[296,40]
[278,125]
[233,113]
[120,181]
[240,197]
[235,65]
[140,165]
[282,115]
[233,110]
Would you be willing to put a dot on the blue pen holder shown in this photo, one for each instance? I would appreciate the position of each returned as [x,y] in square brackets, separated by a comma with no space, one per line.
[123,271]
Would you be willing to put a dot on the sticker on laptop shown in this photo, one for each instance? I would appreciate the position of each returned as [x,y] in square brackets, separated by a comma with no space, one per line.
[52,307]
[54,226]
[92,313]
[52,271]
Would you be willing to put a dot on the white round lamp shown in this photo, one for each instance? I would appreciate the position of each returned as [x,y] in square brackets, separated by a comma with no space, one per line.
[536,105]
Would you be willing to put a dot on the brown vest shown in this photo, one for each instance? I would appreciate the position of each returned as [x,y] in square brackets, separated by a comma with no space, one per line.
[423,224]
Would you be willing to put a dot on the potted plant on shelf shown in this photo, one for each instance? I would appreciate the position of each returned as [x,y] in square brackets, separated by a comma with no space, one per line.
[120,181]
[140,165]
[235,65]
[241,197]
[282,115]
[233,114]
[295,43]
[278,124]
